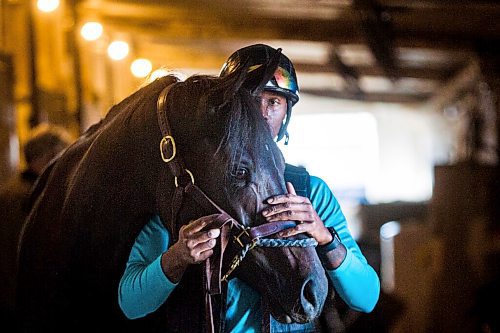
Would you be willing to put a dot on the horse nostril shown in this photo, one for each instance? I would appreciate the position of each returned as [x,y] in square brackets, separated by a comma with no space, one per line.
[309,299]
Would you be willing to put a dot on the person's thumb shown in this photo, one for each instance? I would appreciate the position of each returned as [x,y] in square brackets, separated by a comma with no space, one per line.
[290,188]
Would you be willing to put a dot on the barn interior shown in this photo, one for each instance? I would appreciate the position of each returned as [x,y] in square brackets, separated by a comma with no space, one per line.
[399,113]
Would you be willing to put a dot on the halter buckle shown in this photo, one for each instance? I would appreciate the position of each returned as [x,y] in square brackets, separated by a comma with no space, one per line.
[190,175]
[164,141]
[243,232]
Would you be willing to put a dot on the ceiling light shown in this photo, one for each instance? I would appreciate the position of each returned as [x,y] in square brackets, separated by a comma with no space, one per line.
[118,50]
[47,6]
[141,67]
[91,31]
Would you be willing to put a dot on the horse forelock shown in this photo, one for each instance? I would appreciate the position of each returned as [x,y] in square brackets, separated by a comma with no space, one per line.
[231,112]
[246,129]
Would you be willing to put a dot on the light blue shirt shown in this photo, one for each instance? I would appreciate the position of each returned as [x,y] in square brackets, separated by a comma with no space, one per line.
[144,287]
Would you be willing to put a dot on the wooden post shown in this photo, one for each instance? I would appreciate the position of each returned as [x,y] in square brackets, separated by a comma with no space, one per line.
[489,57]
[9,154]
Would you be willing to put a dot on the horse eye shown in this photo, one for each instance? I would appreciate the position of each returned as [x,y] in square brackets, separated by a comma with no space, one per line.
[240,173]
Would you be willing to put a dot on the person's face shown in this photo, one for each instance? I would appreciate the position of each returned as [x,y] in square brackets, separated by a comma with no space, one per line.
[273,107]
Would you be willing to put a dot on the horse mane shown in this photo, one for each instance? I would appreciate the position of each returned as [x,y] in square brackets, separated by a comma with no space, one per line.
[130,104]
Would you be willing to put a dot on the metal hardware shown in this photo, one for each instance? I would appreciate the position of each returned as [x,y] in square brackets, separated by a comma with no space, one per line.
[190,175]
[166,140]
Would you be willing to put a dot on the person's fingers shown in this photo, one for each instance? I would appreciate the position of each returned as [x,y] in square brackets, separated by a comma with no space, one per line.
[303,217]
[298,229]
[290,188]
[205,246]
[198,224]
[213,233]
[289,197]
[205,255]
[203,250]
[290,211]
[194,240]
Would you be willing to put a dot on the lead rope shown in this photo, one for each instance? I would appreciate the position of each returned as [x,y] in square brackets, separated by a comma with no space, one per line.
[267,242]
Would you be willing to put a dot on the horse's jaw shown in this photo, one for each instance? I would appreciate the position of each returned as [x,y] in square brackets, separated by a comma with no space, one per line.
[308,306]
[294,293]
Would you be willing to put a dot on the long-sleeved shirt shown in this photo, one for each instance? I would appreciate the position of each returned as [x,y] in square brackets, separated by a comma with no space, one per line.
[144,287]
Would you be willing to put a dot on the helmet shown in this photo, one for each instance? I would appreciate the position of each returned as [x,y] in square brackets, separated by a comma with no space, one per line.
[284,80]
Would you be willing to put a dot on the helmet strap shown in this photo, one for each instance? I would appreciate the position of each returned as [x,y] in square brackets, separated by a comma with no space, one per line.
[283,129]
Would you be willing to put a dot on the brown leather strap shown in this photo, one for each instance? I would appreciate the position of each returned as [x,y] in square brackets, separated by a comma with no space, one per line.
[176,207]
[270,228]
[162,109]
[209,313]
[176,165]
[213,270]
[202,199]
[214,264]
[259,231]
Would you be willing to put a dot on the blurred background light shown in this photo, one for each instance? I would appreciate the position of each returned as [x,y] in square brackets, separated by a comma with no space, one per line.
[118,50]
[47,6]
[160,72]
[141,68]
[91,31]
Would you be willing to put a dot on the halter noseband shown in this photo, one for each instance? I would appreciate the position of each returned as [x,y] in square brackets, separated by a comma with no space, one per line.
[247,238]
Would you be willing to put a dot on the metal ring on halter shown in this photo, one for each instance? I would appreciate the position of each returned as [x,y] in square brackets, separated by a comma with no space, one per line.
[164,140]
[190,175]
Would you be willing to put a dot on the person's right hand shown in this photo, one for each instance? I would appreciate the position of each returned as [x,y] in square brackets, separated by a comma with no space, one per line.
[194,246]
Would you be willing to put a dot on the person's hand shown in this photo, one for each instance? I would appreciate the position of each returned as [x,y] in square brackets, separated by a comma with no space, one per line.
[296,208]
[194,246]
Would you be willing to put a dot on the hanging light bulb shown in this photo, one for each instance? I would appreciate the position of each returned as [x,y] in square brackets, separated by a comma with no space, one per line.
[141,67]
[47,6]
[118,50]
[91,31]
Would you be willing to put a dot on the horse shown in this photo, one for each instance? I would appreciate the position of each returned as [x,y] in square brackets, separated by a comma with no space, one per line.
[92,202]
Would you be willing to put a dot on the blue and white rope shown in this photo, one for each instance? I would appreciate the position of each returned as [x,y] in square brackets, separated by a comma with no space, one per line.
[267,242]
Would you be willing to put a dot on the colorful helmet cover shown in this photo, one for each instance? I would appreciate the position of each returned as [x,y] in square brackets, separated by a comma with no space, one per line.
[284,80]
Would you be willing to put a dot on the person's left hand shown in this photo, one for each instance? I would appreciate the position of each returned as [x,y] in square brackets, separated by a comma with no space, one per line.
[296,208]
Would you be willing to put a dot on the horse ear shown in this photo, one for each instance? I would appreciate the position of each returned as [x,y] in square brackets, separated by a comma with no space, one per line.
[235,81]
[226,88]
[254,79]
[265,72]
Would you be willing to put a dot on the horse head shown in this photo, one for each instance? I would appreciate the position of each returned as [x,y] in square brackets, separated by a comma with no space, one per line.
[228,148]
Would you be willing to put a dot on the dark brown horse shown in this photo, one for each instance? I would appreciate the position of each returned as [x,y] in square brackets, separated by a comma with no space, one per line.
[98,195]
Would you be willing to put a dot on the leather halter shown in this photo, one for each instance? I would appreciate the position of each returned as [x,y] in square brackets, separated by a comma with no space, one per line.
[213,265]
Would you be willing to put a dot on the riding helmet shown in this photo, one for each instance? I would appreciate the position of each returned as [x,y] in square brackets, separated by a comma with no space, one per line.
[284,80]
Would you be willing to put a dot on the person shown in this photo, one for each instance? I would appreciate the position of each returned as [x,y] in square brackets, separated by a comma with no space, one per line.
[44,143]
[154,269]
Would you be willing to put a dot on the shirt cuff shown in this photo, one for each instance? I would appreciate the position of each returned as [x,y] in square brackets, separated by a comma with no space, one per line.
[157,272]
[344,266]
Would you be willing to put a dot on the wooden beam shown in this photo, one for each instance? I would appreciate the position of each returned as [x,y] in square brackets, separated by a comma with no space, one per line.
[379,34]
[370,97]
[426,27]
[366,70]
[460,82]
